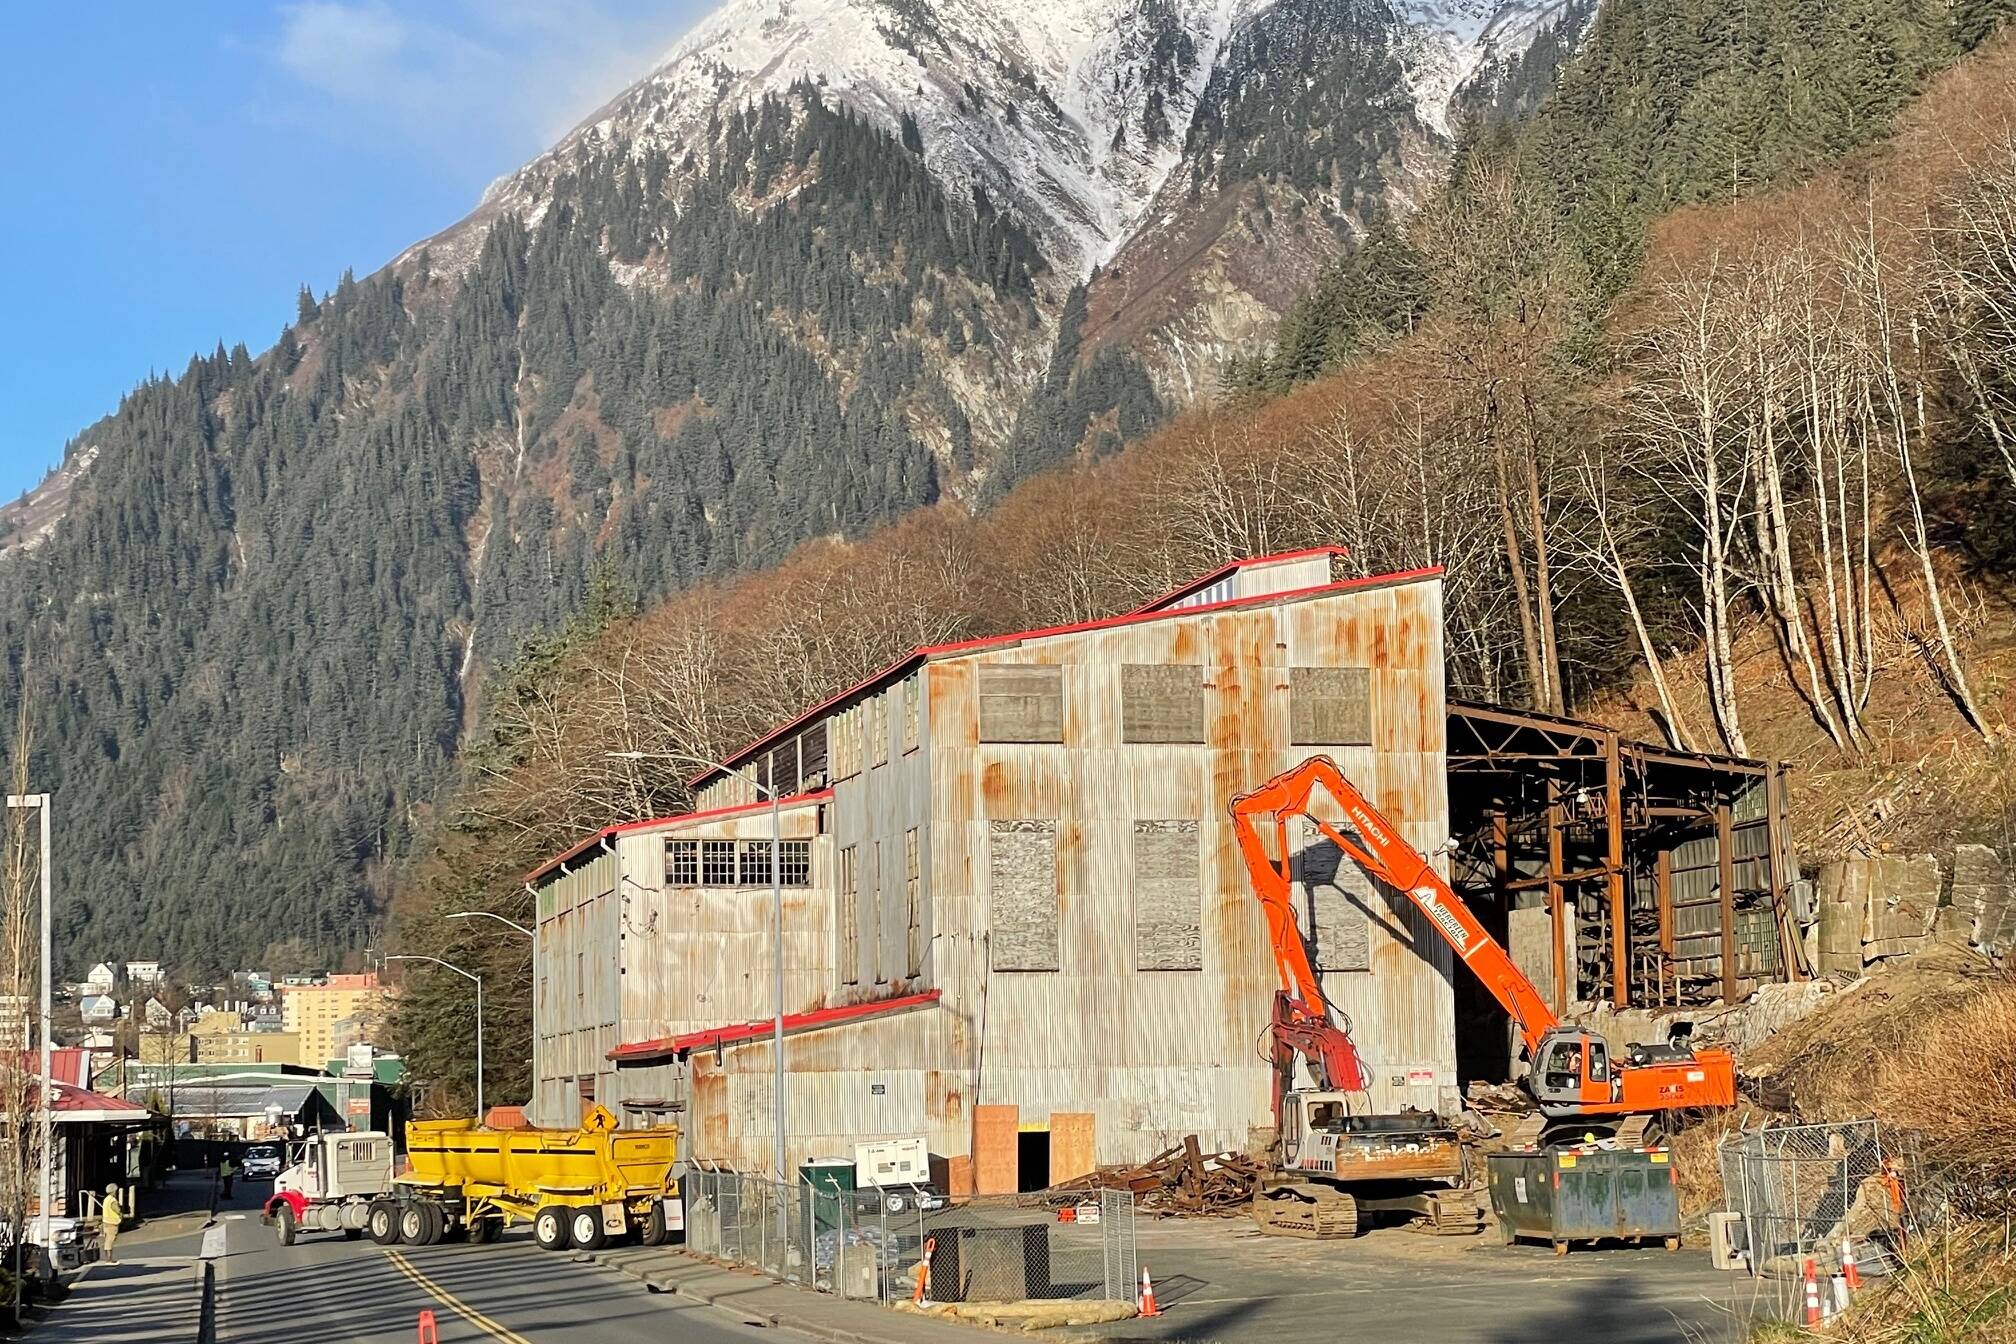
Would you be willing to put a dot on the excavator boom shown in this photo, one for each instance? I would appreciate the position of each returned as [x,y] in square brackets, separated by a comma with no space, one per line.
[1381,851]
[1572,1072]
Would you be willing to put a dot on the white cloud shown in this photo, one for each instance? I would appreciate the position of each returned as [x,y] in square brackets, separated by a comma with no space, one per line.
[463,78]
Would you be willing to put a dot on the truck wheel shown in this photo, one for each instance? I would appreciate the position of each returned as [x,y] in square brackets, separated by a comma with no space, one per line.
[549,1228]
[419,1224]
[382,1222]
[283,1220]
[584,1228]
[655,1233]
[483,1231]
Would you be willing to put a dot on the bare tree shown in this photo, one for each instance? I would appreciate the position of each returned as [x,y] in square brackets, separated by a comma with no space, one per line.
[20,974]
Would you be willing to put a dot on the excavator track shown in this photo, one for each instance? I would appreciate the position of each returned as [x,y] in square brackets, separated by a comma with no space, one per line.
[1451,1213]
[1531,1129]
[1330,1215]
[1635,1131]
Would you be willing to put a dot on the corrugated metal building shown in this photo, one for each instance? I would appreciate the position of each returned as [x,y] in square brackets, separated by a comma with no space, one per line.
[1016,922]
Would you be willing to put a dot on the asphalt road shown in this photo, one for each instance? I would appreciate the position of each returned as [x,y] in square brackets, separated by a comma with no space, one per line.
[328,1290]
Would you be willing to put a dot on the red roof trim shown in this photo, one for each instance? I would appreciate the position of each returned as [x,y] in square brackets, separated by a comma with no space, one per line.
[665,1047]
[918,656]
[1232,566]
[623,828]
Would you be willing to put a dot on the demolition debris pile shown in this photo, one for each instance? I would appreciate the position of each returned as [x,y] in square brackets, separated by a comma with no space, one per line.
[1182,1180]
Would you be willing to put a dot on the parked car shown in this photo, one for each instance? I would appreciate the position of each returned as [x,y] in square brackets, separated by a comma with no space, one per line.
[262,1162]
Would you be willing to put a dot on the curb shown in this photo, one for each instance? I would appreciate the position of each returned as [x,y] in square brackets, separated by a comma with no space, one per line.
[719,1301]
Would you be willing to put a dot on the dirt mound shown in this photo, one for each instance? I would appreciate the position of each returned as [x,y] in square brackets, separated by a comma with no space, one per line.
[1824,1064]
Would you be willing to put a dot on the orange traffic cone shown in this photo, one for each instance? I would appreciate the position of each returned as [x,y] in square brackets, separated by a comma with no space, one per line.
[1849,1271]
[1812,1296]
[1147,1305]
[429,1332]
[918,1298]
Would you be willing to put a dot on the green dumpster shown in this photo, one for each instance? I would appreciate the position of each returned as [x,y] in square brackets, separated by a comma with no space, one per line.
[832,1180]
[1561,1195]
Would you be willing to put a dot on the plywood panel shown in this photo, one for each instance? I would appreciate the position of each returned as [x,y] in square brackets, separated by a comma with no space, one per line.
[1168,927]
[1162,703]
[1330,706]
[1022,885]
[1021,704]
[996,1167]
[1073,1149]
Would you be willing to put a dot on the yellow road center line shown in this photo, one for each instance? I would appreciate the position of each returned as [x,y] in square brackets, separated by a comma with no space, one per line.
[454,1303]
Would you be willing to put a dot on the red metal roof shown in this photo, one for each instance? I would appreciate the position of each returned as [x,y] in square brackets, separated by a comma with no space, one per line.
[916,657]
[667,1047]
[1232,566]
[81,1106]
[67,1063]
[607,832]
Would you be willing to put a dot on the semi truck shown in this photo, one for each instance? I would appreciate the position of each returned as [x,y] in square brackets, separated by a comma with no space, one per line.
[579,1189]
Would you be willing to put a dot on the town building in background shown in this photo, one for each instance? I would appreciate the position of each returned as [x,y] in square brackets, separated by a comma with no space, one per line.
[312,1010]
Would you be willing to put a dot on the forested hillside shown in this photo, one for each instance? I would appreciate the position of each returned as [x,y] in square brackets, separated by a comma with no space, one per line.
[1758,502]
[252,644]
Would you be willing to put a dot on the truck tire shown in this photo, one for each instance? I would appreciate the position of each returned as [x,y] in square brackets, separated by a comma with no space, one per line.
[549,1227]
[483,1231]
[283,1221]
[655,1232]
[420,1223]
[382,1222]
[584,1228]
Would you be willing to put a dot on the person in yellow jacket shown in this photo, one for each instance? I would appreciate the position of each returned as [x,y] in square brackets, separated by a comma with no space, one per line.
[109,1215]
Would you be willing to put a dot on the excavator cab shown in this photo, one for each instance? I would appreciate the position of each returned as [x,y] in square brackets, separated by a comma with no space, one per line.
[1572,1069]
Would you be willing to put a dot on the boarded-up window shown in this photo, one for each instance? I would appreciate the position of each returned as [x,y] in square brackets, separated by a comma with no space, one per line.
[1339,895]
[1021,704]
[1022,868]
[1330,706]
[913,903]
[874,888]
[912,693]
[1168,897]
[848,917]
[1162,702]
[812,751]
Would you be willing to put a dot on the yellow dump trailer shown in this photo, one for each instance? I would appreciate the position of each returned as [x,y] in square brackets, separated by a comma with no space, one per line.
[580,1188]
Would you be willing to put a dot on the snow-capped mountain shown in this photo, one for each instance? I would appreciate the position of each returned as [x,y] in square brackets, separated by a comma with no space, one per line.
[1072,114]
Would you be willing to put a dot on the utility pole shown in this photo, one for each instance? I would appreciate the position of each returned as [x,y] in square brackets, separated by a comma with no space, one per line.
[46,1119]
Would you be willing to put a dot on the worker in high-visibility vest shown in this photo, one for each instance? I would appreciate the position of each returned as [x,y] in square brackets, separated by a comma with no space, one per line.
[109,1215]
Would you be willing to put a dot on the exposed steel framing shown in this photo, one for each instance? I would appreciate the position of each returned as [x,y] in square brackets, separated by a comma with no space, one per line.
[1590,817]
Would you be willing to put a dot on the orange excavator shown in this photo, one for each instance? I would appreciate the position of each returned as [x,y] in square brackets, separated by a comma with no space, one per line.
[1573,1079]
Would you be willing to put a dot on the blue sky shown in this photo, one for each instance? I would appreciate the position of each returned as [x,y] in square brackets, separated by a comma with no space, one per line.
[175,172]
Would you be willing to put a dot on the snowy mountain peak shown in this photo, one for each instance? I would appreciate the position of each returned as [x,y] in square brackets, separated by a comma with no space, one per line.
[1071,113]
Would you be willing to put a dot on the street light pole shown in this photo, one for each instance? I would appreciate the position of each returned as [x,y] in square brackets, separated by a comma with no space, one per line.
[512,923]
[448,965]
[777,916]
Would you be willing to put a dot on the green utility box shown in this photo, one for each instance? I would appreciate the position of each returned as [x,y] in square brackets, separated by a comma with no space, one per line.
[832,1180]
[1560,1195]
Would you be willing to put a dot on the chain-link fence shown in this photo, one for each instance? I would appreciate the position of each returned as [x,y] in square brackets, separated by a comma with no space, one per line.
[1812,1193]
[870,1244]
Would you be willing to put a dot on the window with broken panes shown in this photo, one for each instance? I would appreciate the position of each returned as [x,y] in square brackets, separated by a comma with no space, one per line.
[736,863]
[717,863]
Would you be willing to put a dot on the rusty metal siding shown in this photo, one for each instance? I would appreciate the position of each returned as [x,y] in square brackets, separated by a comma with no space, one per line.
[1095,1034]
[1149,1053]
[878,805]
[577,935]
